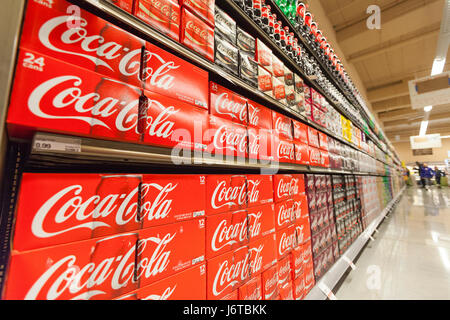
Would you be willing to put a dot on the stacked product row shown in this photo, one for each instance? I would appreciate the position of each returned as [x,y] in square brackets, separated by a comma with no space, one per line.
[106,236]
[323,229]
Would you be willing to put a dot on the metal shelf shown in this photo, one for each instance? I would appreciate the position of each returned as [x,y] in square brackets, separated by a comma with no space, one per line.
[335,273]
[49,149]
[137,25]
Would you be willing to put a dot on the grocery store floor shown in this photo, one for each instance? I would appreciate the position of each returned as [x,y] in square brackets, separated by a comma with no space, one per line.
[410,257]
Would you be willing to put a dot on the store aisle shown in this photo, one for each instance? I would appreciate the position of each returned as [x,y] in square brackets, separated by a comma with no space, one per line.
[410,257]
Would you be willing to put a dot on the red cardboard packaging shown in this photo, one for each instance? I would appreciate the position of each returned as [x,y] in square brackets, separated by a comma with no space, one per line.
[225,193]
[197,34]
[270,283]
[203,8]
[227,104]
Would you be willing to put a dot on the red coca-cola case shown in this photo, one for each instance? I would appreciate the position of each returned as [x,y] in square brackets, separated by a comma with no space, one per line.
[301,206]
[251,290]
[163,15]
[324,159]
[263,54]
[284,271]
[259,189]
[127,5]
[297,185]
[297,261]
[309,279]
[102,268]
[226,231]
[174,124]
[165,250]
[255,151]
[267,147]
[227,272]
[303,230]
[203,8]
[269,280]
[167,198]
[286,240]
[226,104]
[226,138]
[313,137]
[284,214]
[286,291]
[323,141]
[189,284]
[259,116]
[58,208]
[301,153]
[263,254]
[299,288]
[234,295]
[225,193]
[300,132]
[282,125]
[197,34]
[314,157]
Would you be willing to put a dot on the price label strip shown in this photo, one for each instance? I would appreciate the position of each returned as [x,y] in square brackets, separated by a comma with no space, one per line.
[350,262]
[51,143]
[327,291]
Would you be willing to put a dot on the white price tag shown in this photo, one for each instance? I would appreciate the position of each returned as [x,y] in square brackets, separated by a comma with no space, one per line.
[350,262]
[327,291]
[49,143]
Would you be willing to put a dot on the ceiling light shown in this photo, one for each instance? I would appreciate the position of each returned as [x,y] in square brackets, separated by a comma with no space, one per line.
[438,66]
[428,108]
[423,128]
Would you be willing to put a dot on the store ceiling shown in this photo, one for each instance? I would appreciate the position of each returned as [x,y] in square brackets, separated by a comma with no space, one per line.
[387,59]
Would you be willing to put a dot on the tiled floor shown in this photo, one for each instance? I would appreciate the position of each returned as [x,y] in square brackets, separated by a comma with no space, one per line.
[410,257]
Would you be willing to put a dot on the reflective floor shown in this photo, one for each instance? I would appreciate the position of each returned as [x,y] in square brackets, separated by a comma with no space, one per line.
[410,257]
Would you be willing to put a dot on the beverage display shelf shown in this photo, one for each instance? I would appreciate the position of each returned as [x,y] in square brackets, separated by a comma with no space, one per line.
[134,23]
[332,277]
[64,150]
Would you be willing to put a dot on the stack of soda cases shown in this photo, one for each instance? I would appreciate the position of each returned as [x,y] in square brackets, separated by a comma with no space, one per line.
[323,229]
[293,237]
[347,210]
[370,205]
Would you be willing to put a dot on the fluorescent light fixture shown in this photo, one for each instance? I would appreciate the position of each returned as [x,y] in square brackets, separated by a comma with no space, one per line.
[428,108]
[423,128]
[438,66]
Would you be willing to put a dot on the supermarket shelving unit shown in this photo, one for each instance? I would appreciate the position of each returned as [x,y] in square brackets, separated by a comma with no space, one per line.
[62,150]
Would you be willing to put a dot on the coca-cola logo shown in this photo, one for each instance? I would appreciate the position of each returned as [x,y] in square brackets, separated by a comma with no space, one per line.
[285,151]
[231,139]
[230,274]
[282,126]
[283,188]
[286,243]
[283,273]
[66,276]
[82,108]
[256,258]
[285,214]
[245,42]
[314,156]
[229,234]
[271,286]
[227,51]
[224,195]
[254,143]
[253,190]
[200,32]
[227,106]
[67,208]
[254,227]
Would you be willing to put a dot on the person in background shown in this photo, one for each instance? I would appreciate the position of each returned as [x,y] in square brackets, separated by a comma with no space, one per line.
[421,174]
[438,175]
[428,173]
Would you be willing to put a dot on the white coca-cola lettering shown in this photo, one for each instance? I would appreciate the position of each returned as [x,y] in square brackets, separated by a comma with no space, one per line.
[202,33]
[230,275]
[69,276]
[254,143]
[253,191]
[286,243]
[283,188]
[254,227]
[300,234]
[256,258]
[88,213]
[227,235]
[225,105]
[284,271]
[163,296]
[284,127]
[314,156]
[229,138]
[253,115]
[225,195]
[151,266]
[99,51]
[161,126]
[285,214]
[285,151]
[294,186]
